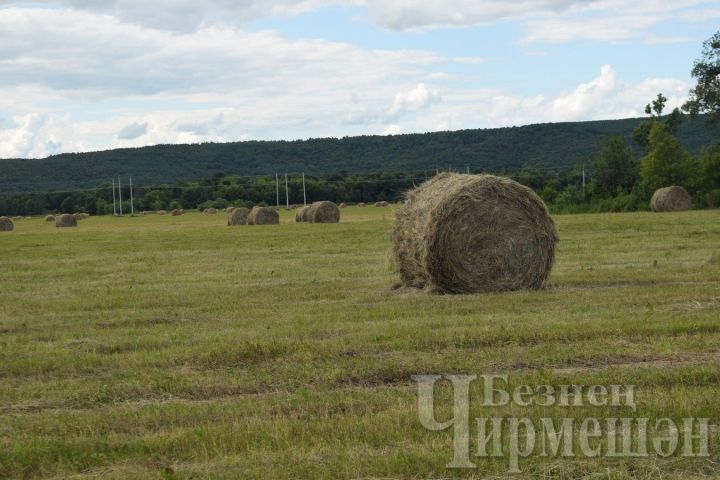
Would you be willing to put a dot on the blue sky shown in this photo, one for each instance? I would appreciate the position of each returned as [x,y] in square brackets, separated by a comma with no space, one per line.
[78,75]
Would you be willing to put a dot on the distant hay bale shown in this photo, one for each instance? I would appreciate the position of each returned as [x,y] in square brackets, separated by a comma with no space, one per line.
[17,218]
[343,205]
[80,216]
[263,216]
[162,212]
[66,220]
[50,218]
[362,204]
[381,204]
[211,211]
[473,233]
[6,225]
[176,213]
[229,209]
[323,212]
[671,199]
[238,216]
[303,214]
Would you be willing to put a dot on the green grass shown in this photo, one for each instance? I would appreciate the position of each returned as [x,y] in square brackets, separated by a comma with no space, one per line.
[177,347]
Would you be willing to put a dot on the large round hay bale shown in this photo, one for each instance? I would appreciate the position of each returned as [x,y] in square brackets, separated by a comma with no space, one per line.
[671,199]
[381,204]
[211,211]
[303,214]
[66,220]
[176,213]
[362,204]
[323,212]
[238,216]
[50,218]
[473,233]
[263,216]
[162,212]
[6,225]
[343,205]
[16,218]
[229,209]
[80,216]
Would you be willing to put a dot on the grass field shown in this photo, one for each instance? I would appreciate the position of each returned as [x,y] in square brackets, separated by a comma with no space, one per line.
[176,347]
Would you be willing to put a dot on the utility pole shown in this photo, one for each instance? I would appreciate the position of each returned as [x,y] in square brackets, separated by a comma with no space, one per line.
[120,195]
[277,189]
[583,173]
[114,204]
[467,168]
[132,207]
[304,195]
[287,194]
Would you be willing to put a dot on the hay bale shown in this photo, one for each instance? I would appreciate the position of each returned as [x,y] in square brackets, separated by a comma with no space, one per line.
[323,212]
[80,216]
[176,213]
[211,211]
[671,199]
[16,218]
[238,216]
[66,220]
[230,209]
[361,204]
[6,225]
[50,218]
[473,233]
[263,216]
[162,212]
[302,215]
[381,204]
[343,205]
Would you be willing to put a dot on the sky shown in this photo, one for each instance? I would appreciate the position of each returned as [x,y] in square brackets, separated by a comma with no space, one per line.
[83,75]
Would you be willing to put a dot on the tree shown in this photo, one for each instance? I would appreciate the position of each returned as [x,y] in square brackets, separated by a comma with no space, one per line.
[705,97]
[667,163]
[614,167]
[655,109]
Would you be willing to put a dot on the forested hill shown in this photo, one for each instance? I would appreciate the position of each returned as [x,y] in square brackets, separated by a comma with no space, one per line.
[553,146]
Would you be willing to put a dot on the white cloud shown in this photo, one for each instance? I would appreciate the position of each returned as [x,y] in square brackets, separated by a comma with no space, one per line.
[411,101]
[133,131]
[187,15]
[392,130]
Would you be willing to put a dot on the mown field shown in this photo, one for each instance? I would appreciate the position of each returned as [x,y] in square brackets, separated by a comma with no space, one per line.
[161,347]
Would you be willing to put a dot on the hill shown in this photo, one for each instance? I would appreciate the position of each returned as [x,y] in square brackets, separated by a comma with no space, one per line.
[556,146]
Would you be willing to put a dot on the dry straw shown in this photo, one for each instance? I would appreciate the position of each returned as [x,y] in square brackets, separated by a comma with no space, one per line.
[238,216]
[162,212]
[473,233]
[323,212]
[381,204]
[303,214]
[176,213]
[6,225]
[671,199]
[361,204]
[263,216]
[343,205]
[50,218]
[211,211]
[65,220]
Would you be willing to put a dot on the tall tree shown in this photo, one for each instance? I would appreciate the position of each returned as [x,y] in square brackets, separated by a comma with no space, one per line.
[614,167]
[705,97]
[667,163]
[655,109]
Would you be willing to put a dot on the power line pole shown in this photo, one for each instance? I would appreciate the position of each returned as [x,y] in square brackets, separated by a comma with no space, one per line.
[287,193]
[583,173]
[277,189]
[120,195]
[114,204]
[132,207]
[304,195]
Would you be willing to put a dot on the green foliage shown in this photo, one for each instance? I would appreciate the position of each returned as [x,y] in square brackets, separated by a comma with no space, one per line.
[667,162]
[614,168]
[705,96]
[641,134]
[556,147]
